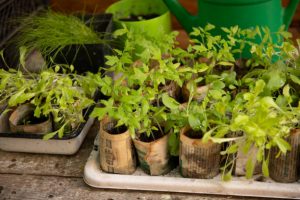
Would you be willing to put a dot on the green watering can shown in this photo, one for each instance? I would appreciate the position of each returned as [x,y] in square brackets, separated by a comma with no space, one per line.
[244,13]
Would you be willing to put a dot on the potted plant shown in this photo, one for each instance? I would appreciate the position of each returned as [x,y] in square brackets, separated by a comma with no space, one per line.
[135,99]
[63,97]
[81,41]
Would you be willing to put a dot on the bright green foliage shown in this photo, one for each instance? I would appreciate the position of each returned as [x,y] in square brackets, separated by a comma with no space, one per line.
[63,96]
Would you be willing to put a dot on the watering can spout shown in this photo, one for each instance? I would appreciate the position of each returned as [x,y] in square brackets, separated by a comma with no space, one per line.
[187,20]
[288,12]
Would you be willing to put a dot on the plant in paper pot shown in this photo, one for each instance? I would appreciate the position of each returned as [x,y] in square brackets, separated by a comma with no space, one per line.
[134,94]
[282,82]
[263,109]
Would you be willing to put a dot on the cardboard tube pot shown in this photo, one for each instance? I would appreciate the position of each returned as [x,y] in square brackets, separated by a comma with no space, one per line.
[117,154]
[196,158]
[21,113]
[4,115]
[285,168]
[154,157]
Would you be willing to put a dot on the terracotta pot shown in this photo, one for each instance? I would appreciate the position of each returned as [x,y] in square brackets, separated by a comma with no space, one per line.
[285,168]
[117,153]
[154,157]
[198,159]
[24,111]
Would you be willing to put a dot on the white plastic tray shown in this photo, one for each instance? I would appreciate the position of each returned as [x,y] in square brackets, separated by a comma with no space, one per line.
[52,146]
[173,182]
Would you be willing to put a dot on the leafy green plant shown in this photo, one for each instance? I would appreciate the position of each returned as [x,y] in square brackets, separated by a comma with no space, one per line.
[63,96]
[136,84]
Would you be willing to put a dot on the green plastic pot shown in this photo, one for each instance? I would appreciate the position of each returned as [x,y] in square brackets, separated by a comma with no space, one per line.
[154,27]
[244,13]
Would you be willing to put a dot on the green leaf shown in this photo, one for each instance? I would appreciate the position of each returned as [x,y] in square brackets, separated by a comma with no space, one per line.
[218,85]
[120,32]
[209,27]
[194,122]
[19,98]
[227,176]
[259,86]
[265,168]
[169,102]
[249,168]
[269,102]
[283,145]
[173,144]
[223,63]
[276,80]
[99,113]
[49,135]
[233,148]
[295,79]
[145,107]
[56,68]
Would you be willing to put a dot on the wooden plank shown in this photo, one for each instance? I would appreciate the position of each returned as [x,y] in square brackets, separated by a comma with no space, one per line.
[43,187]
[58,165]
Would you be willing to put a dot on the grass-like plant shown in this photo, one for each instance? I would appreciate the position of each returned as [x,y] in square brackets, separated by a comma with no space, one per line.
[49,32]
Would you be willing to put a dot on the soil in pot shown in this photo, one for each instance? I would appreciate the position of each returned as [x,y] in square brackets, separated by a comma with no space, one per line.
[196,158]
[285,168]
[22,120]
[117,154]
[139,17]
[153,154]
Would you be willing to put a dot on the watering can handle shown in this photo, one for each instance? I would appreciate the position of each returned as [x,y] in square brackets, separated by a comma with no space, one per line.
[182,15]
[288,12]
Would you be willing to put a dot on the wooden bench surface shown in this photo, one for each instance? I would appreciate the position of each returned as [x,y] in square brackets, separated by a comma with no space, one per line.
[38,176]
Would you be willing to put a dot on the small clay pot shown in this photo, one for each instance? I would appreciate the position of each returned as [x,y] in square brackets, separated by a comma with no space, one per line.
[117,154]
[196,158]
[154,157]
[285,168]
[23,111]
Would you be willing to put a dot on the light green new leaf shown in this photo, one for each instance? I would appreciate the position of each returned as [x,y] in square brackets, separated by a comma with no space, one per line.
[249,168]
[20,97]
[265,168]
[295,79]
[99,113]
[194,122]
[283,145]
[169,102]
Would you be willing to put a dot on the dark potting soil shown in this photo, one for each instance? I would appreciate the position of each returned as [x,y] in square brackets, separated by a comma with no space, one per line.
[31,119]
[116,130]
[139,17]
[194,134]
[152,137]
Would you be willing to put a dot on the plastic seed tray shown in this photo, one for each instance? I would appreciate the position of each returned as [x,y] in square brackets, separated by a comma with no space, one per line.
[33,143]
[173,182]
